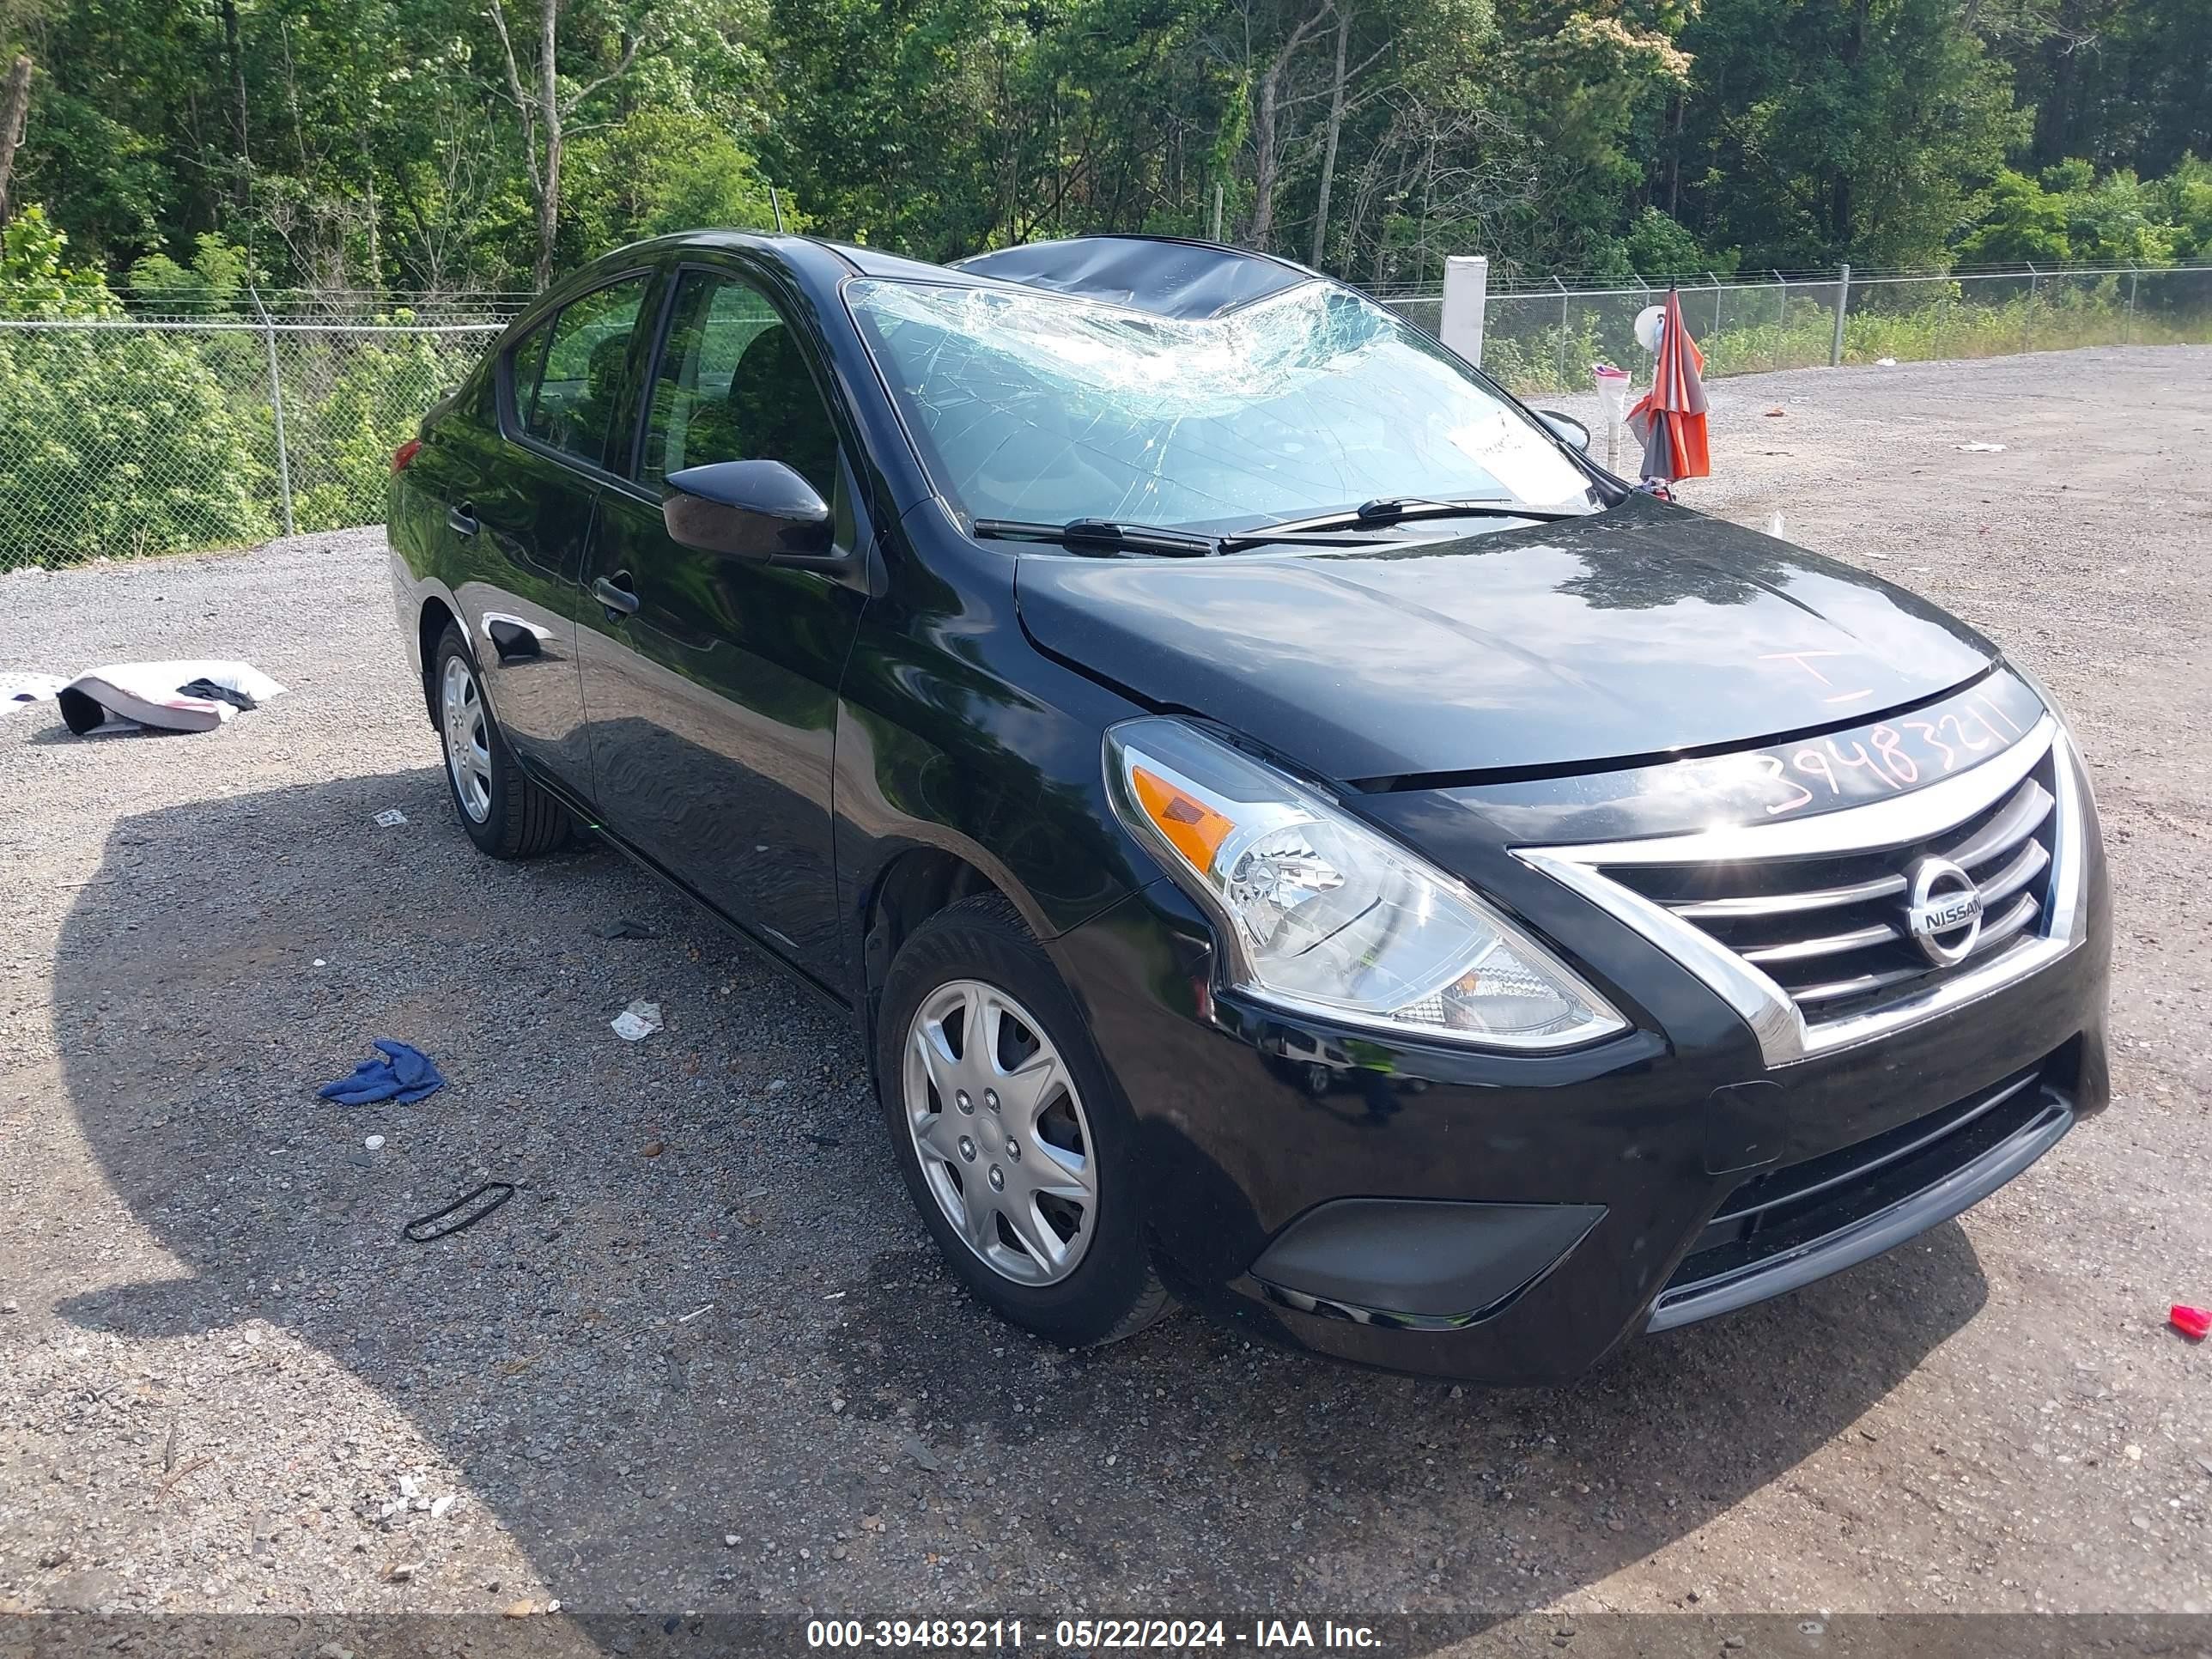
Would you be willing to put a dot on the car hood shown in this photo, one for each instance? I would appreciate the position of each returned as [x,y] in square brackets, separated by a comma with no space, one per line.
[1632,633]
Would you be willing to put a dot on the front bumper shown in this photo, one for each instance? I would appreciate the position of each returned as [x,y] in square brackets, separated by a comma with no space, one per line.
[1586,1185]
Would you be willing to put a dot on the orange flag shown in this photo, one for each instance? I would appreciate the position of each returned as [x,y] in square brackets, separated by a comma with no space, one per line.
[1671,419]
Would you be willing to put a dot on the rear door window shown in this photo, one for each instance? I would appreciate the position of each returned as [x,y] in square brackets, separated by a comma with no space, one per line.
[569,372]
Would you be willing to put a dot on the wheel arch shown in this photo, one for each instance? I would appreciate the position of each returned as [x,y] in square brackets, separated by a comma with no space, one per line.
[1022,813]
[430,625]
[913,885]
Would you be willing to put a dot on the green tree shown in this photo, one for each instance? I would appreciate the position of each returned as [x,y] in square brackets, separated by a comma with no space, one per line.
[2072,213]
[891,112]
[2123,83]
[2118,219]
[666,170]
[1590,85]
[1659,246]
[219,271]
[2021,223]
[1862,131]
[2189,208]
[34,282]
[437,145]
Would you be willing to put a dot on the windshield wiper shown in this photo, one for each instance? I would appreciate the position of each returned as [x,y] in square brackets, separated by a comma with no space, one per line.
[1102,532]
[1329,530]
[1381,514]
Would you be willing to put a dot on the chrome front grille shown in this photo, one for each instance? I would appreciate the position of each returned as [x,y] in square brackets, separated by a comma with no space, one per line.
[1832,931]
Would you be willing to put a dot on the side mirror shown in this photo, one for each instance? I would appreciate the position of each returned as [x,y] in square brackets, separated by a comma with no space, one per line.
[757,510]
[1566,426]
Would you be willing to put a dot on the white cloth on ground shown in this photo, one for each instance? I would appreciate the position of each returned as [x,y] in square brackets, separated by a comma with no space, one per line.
[147,692]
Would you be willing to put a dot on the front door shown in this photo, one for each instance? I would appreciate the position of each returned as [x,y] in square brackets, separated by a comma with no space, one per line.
[710,684]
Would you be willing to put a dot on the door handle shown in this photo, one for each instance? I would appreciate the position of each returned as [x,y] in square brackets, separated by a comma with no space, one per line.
[618,601]
[462,520]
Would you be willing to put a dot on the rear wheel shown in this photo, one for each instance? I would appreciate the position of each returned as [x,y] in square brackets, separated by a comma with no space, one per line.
[504,812]
[1014,1141]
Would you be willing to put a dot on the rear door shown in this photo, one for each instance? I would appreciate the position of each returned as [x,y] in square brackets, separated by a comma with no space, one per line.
[710,684]
[525,525]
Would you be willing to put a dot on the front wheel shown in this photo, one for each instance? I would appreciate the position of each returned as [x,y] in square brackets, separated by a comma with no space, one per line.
[1014,1142]
[504,812]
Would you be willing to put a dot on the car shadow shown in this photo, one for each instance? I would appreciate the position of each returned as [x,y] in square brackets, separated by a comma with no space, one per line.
[709,1313]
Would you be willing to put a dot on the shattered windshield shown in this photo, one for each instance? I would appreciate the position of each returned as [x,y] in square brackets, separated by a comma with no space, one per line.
[1040,406]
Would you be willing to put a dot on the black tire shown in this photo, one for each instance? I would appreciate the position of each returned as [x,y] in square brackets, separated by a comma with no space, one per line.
[519,820]
[1113,1292]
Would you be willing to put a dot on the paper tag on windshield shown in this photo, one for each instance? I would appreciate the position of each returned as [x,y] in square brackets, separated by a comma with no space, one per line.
[1524,463]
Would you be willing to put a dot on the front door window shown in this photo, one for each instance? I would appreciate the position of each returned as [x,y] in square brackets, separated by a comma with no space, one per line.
[733,386]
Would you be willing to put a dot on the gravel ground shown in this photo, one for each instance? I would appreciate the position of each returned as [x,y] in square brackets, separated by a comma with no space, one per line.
[705,1358]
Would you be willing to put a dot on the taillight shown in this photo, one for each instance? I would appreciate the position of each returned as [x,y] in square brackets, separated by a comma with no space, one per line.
[405,453]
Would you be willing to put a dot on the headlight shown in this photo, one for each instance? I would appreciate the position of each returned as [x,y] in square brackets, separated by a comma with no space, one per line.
[1320,913]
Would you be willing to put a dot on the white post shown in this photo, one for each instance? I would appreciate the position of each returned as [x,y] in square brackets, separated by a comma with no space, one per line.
[1843,306]
[1466,292]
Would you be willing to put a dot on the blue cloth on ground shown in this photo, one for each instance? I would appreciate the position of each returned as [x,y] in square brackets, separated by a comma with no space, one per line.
[400,1073]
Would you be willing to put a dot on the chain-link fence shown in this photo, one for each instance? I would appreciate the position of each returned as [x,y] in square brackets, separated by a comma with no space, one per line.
[1540,340]
[128,436]
[337,307]
[159,434]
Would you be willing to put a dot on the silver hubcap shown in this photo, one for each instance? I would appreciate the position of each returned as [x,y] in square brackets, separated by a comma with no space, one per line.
[468,743]
[1000,1132]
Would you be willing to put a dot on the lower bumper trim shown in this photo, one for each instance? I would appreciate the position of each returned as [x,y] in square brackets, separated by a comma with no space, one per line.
[2011,1146]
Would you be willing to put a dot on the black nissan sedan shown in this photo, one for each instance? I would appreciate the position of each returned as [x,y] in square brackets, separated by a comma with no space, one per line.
[1295,834]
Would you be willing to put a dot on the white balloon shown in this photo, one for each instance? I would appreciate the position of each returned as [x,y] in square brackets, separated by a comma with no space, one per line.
[1650,324]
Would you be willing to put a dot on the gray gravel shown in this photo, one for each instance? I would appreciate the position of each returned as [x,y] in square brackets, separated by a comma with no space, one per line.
[729,1375]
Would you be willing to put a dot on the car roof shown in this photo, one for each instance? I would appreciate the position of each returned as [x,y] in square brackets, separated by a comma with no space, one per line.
[1167,276]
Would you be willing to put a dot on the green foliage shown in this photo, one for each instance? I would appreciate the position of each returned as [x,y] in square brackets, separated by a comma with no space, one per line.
[667,170]
[114,176]
[898,113]
[1554,359]
[2072,214]
[219,271]
[115,442]
[1533,353]
[2118,83]
[1657,246]
[2023,223]
[2119,221]
[380,146]
[112,440]
[354,406]
[34,281]
[1588,85]
[1859,130]
[2189,208]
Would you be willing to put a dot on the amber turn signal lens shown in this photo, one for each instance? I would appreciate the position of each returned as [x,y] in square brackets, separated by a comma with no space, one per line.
[1193,828]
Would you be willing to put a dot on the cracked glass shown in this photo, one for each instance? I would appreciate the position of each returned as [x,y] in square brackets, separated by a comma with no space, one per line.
[1042,406]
